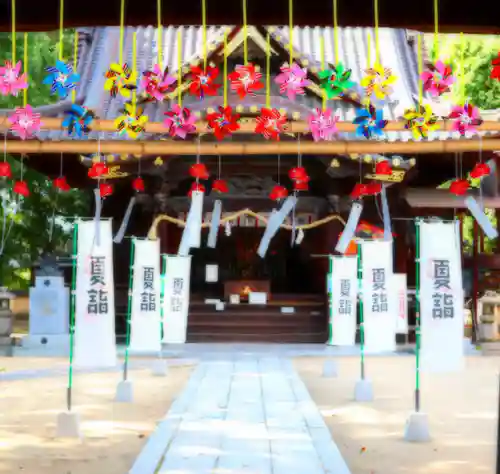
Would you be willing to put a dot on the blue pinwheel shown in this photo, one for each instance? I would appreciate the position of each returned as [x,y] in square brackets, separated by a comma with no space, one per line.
[61,78]
[77,120]
[370,122]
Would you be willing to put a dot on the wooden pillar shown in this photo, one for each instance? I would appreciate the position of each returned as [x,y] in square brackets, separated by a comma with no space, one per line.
[475,280]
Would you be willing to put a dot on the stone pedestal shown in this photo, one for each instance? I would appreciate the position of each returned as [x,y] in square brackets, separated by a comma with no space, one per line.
[417,428]
[5,323]
[363,391]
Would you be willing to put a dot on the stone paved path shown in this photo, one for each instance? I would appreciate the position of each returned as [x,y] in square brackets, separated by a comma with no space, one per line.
[250,415]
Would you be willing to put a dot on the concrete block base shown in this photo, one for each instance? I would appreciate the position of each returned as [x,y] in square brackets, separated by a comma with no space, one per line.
[363,391]
[124,392]
[330,368]
[159,368]
[417,428]
[68,425]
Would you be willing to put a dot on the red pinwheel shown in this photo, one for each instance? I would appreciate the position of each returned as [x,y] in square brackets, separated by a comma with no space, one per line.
[459,187]
[105,189]
[495,72]
[278,192]
[480,170]
[223,123]
[5,170]
[270,123]
[245,80]
[138,184]
[383,167]
[359,191]
[61,184]
[196,187]
[98,169]
[220,186]
[198,171]
[203,81]
[21,187]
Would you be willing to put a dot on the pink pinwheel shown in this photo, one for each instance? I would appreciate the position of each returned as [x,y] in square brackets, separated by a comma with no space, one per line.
[323,124]
[10,80]
[156,83]
[292,80]
[465,118]
[180,122]
[438,79]
[24,122]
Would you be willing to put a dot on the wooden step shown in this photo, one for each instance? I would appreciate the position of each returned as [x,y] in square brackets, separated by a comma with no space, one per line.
[289,338]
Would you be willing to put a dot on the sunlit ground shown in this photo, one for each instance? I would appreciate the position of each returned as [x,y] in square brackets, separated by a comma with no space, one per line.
[113,433]
[461,408]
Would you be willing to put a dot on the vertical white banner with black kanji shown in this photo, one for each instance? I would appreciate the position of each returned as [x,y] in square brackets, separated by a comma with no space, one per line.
[400,287]
[441,297]
[176,299]
[379,298]
[344,291]
[145,319]
[95,342]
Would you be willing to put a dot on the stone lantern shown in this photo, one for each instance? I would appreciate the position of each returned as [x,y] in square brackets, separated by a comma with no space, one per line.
[5,321]
[489,316]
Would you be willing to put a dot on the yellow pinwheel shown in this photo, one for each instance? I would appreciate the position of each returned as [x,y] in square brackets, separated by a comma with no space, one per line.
[378,81]
[120,79]
[420,121]
[132,122]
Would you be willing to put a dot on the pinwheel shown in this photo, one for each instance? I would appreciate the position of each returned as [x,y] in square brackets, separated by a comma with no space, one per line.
[370,122]
[11,79]
[132,122]
[270,123]
[438,79]
[77,120]
[420,121]
[292,80]
[378,81]
[156,84]
[120,80]
[203,81]
[24,122]
[179,122]
[245,80]
[336,81]
[465,118]
[61,78]
[223,123]
[323,124]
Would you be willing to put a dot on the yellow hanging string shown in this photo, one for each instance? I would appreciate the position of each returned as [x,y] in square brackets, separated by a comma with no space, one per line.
[245,33]
[160,35]
[368,50]
[134,69]
[61,30]
[13,11]
[268,71]
[225,69]
[420,69]
[377,57]
[25,91]
[436,31]
[290,13]
[335,32]
[122,29]
[322,49]
[462,68]
[204,31]
[179,67]
[75,63]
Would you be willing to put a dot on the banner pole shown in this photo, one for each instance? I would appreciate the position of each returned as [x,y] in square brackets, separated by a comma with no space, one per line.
[417,316]
[129,308]
[72,316]
[361,322]
[330,299]
[162,295]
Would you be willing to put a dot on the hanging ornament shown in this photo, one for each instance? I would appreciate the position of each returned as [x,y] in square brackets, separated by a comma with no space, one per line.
[156,84]
[465,118]
[438,79]
[378,81]
[120,80]
[21,187]
[292,80]
[97,170]
[245,80]
[459,187]
[5,170]
[78,120]
[373,188]
[24,122]
[203,81]
[301,185]
[359,191]
[61,184]
[132,122]
[336,81]
[298,173]
[223,123]
[495,71]
[196,187]
[278,192]
[11,82]
[270,123]
[138,184]
[323,124]
[199,171]
[383,168]
[220,186]
[61,78]
[179,122]
[370,122]
[105,189]
[480,170]
[420,121]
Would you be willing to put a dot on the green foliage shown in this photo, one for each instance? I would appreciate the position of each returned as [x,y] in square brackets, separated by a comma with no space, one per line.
[468,232]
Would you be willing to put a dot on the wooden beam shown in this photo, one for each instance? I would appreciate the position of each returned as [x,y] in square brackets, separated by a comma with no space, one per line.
[138,147]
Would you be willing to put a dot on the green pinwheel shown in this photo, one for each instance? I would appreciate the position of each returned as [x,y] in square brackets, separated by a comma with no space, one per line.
[336,81]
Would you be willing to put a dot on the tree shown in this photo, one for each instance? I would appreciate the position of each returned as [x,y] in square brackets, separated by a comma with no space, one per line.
[42,222]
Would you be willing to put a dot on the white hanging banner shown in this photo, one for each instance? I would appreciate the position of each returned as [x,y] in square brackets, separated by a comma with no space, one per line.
[176,299]
[95,343]
[344,290]
[441,297]
[379,302]
[145,318]
[400,287]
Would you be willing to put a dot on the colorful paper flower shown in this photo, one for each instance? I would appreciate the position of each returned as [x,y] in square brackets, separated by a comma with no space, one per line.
[292,80]
[10,80]
[77,120]
[180,122]
[378,81]
[495,71]
[245,80]
[203,81]
[223,123]
[24,122]
[120,80]
[156,84]
[335,81]
[61,78]
[438,79]
[270,123]
[420,121]
[323,124]
[132,122]
[465,118]
[370,122]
